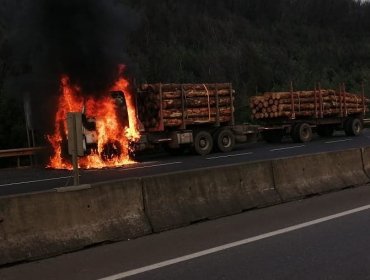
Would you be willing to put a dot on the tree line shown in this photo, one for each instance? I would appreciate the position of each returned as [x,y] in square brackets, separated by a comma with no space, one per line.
[258,45]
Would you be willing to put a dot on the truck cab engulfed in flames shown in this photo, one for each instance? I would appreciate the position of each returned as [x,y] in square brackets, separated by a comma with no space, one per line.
[110,149]
[109,123]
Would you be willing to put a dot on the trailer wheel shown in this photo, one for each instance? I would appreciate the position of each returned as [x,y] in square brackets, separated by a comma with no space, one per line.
[203,143]
[225,140]
[302,133]
[325,130]
[353,127]
[295,133]
[273,136]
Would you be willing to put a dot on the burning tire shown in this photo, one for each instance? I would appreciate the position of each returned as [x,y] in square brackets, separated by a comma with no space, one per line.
[111,150]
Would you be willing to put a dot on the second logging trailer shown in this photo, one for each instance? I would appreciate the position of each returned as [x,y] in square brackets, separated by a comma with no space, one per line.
[300,114]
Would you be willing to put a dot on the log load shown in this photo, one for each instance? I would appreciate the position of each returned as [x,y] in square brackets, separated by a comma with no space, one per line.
[178,105]
[307,104]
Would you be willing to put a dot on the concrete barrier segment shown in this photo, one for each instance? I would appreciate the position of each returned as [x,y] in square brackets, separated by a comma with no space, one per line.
[302,176]
[182,198]
[49,223]
[43,224]
[366,160]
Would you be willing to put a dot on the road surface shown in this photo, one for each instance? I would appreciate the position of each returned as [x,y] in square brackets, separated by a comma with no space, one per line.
[14,181]
[323,237]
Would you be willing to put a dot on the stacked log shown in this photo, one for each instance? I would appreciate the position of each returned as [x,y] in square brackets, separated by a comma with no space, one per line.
[315,103]
[174,105]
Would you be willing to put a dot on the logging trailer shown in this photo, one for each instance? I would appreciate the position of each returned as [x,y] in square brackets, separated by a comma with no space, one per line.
[177,117]
[182,116]
[300,114]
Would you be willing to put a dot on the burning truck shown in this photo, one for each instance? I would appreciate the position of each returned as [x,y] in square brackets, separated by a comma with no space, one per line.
[196,116]
[174,116]
[106,132]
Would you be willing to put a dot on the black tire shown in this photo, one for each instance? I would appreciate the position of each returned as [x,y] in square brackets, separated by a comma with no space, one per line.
[325,130]
[302,133]
[203,143]
[111,150]
[347,125]
[295,133]
[225,140]
[273,136]
[353,127]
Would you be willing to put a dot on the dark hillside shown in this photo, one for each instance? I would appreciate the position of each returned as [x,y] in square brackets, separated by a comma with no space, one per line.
[258,45]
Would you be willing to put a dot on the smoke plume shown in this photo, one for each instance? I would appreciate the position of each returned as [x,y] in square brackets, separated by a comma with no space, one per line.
[84,39]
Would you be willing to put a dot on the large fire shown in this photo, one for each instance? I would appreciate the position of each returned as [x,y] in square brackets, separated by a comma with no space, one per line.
[113,135]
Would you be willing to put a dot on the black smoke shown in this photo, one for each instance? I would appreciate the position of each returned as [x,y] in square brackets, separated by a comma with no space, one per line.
[84,39]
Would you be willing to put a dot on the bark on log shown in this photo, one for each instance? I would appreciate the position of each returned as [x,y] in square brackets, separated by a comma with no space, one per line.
[304,106]
[195,93]
[195,112]
[331,98]
[172,87]
[219,86]
[178,122]
[307,104]
[195,102]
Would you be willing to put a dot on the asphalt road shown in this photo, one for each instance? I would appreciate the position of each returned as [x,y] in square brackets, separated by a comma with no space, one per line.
[324,237]
[14,181]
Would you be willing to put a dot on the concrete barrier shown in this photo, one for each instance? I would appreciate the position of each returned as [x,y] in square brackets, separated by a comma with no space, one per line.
[302,176]
[366,160]
[179,199]
[49,223]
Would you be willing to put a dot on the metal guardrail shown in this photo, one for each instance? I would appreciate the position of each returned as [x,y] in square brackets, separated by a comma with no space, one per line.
[21,152]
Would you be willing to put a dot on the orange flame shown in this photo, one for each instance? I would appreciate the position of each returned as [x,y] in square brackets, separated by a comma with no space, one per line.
[109,129]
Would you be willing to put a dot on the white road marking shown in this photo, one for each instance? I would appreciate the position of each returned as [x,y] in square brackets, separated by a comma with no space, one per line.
[150,166]
[65,177]
[148,162]
[226,156]
[337,141]
[119,167]
[287,148]
[36,181]
[234,244]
